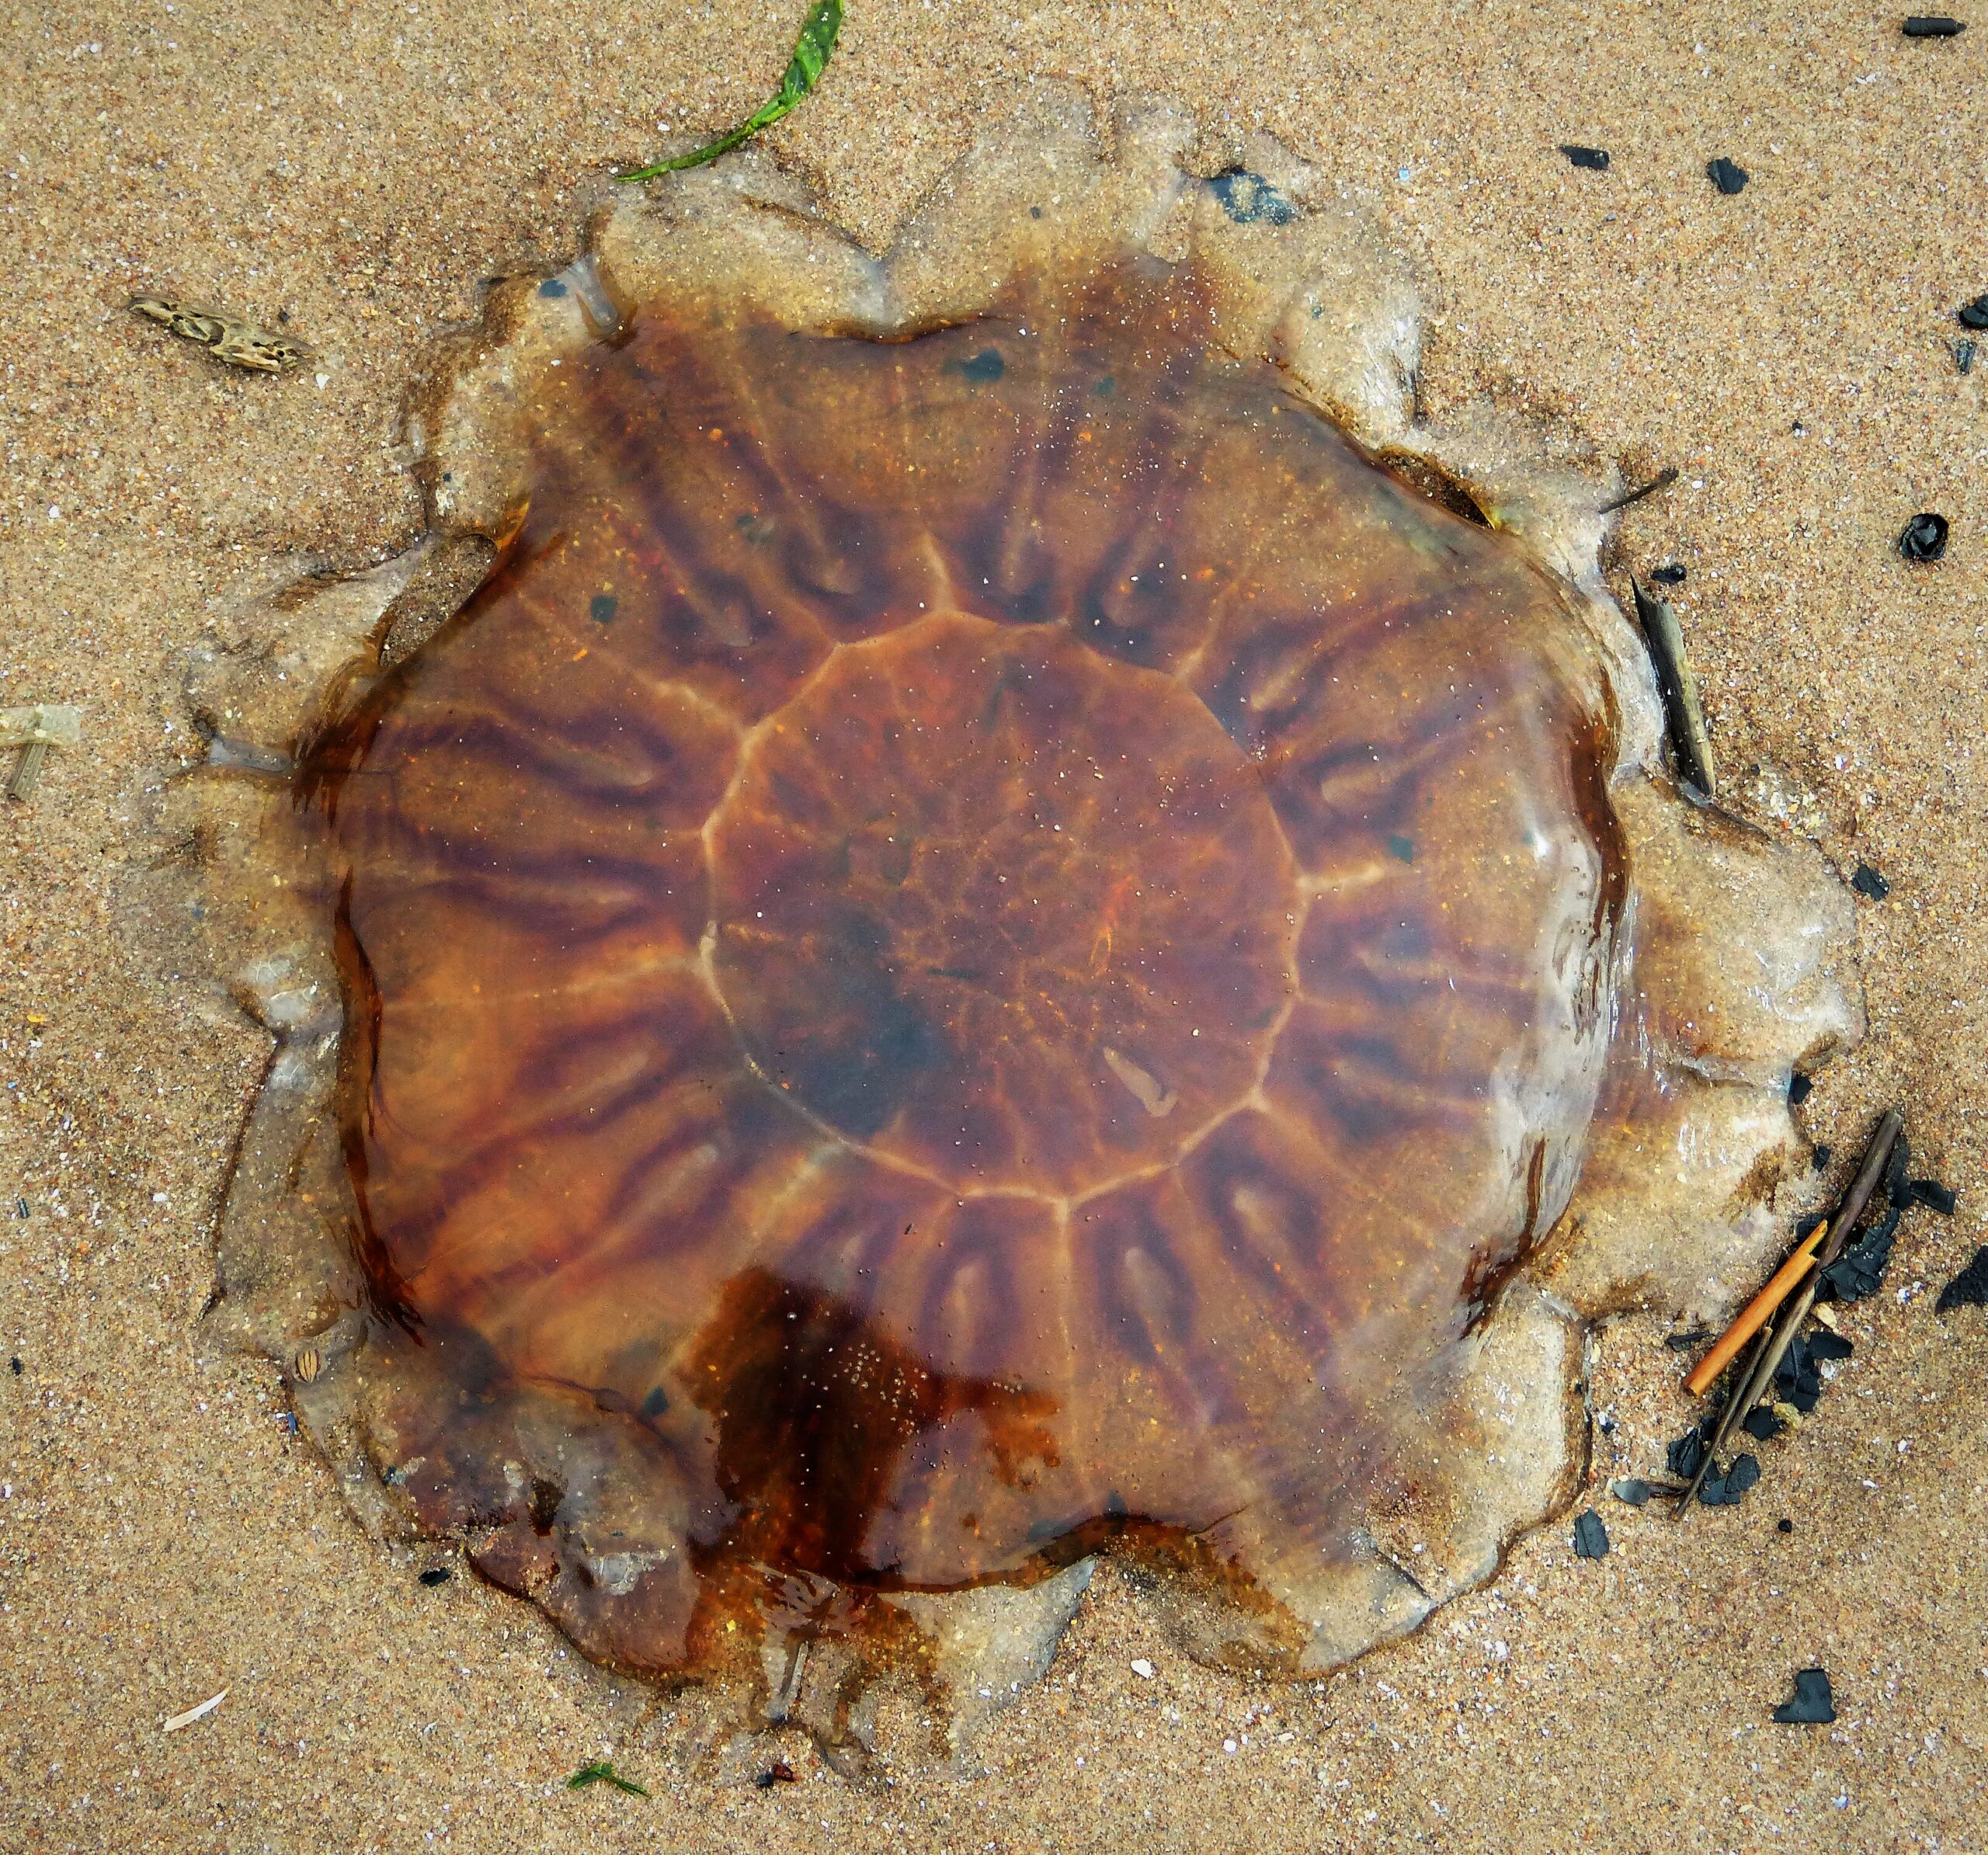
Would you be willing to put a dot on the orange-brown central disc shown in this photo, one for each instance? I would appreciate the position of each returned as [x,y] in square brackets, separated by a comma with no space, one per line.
[1002,910]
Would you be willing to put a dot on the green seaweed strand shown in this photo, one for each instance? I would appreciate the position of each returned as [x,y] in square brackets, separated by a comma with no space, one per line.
[812,52]
[603,1773]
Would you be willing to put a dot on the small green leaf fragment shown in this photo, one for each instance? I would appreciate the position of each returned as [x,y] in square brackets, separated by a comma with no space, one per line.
[812,52]
[602,1772]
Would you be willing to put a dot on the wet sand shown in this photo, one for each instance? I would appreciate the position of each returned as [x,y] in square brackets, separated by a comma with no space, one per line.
[162,1535]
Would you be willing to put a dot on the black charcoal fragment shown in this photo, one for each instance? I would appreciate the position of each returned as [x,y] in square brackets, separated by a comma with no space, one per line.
[1813,1704]
[1974,315]
[1934,1195]
[435,1575]
[1784,1526]
[1728,1489]
[1924,537]
[1685,1454]
[1670,574]
[1594,158]
[1858,1272]
[1933,25]
[1898,1187]
[1968,1289]
[1806,1226]
[1823,1344]
[778,1772]
[1590,1537]
[1686,1338]
[1761,1424]
[1796,1380]
[1799,1088]
[1821,1157]
[1867,882]
[1727,176]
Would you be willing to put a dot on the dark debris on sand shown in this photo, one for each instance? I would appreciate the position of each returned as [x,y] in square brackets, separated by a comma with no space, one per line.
[1813,1703]
[1968,1289]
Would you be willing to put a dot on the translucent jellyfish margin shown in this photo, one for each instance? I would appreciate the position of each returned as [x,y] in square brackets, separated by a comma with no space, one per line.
[1735,962]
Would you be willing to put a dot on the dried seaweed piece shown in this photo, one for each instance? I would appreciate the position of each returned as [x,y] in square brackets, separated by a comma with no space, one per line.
[1813,1704]
[1727,176]
[1933,25]
[228,337]
[1934,1195]
[1596,159]
[35,731]
[1867,882]
[1968,1289]
[1591,1536]
[1924,537]
[1633,1491]
[1686,1338]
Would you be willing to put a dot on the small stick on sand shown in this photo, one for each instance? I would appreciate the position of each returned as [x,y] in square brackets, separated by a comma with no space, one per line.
[1663,479]
[1775,1341]
[1689,740]
[1755,1315]
[1735,1404]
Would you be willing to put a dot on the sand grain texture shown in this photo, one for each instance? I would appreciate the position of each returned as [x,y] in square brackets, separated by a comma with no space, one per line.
[350,177]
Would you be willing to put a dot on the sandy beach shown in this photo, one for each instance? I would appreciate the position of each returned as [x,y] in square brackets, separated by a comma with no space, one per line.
[354,177]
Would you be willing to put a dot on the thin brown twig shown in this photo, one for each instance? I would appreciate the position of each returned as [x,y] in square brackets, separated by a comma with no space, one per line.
[1774,1341]
[1734,1406]
[1663,479]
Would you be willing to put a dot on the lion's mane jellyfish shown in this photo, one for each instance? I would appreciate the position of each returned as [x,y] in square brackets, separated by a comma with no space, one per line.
[1017,920]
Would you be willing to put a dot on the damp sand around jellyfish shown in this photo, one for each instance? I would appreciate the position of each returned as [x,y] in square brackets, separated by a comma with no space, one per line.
[1017,920]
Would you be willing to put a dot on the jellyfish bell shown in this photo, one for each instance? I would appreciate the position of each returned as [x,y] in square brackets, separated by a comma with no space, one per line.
[991,937]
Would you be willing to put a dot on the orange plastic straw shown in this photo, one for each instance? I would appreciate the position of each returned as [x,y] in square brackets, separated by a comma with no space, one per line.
[1756,1313]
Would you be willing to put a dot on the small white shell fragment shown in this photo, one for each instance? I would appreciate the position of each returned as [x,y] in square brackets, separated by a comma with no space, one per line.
[1143,1669]
[193,1712]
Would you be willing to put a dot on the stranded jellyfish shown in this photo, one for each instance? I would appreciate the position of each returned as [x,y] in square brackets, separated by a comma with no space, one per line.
[1017,920]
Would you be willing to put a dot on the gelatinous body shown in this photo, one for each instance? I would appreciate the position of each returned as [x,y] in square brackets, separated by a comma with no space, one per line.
[988,940]
[1016,853]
